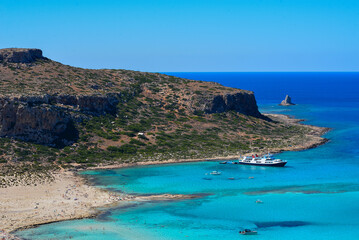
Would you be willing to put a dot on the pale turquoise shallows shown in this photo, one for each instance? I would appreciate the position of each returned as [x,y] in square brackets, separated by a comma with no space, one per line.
[316,196]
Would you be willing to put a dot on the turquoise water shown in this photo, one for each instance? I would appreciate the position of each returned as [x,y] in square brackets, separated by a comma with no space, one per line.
[315,196]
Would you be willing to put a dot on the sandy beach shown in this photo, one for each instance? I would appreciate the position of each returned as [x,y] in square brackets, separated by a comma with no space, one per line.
[66,197]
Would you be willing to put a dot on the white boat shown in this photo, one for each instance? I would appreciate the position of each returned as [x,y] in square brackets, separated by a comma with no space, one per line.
[266,160]
[215,173]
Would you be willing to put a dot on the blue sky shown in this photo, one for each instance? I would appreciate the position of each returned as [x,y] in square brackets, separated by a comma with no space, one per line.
[188,35]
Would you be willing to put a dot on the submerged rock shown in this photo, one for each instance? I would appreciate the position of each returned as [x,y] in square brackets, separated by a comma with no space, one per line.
[287,101]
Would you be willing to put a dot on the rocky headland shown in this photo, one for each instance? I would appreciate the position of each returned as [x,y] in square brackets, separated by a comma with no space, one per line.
[57,116]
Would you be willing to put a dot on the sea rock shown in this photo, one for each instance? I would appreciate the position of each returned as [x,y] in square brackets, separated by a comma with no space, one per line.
[287,101]
[20,55]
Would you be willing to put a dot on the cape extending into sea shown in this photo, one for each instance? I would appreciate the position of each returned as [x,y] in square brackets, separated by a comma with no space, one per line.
[313,197]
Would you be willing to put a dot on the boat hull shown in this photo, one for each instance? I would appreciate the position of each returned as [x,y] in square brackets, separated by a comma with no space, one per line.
[280,164]
[250,233]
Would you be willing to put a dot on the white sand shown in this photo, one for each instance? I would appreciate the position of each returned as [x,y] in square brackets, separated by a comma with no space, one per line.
[67,197]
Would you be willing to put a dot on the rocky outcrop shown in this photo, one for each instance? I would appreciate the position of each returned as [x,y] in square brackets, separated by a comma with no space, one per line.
[20,55]
[287,101]
[242,102]
[49,119]
[89,104]
[42,124]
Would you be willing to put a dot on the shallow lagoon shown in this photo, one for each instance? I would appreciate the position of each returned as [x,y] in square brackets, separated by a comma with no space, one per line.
[314,197]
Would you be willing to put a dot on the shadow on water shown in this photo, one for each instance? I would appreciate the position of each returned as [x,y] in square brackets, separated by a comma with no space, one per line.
[329,188]
[105,217]
[282,224]
[207,178]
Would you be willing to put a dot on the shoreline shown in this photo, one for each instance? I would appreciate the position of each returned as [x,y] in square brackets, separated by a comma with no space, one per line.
[97,212]
[67,197]
[71,195]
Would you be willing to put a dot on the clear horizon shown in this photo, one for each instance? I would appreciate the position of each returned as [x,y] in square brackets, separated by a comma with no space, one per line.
[189,36]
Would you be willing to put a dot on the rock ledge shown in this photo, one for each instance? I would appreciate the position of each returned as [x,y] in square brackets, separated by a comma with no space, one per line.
[20,55]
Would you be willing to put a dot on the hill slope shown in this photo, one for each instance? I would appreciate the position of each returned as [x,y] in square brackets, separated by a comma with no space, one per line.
[52,113]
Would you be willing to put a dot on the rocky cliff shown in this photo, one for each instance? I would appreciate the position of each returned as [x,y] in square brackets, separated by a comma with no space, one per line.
[47,119]
[242,102]
[20,55]
[42,124]
[50,120]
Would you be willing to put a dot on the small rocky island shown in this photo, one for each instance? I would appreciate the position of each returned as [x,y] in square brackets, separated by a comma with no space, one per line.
[287,101]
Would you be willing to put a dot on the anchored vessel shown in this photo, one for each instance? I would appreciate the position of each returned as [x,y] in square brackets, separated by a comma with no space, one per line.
[266,160]
[248,232]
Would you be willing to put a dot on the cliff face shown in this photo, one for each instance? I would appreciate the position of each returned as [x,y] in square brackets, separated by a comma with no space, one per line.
[242,102]
[20,55]
[49,119]
[42,124]
[91,104]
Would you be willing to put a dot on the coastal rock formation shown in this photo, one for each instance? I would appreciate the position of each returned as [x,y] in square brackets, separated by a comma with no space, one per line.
[49,119]
[243,102]
[42,124]
[287,101]
[20,55]
[91,104]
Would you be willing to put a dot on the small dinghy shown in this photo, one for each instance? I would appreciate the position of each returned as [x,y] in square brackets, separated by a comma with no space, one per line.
[215,173]
[248,232]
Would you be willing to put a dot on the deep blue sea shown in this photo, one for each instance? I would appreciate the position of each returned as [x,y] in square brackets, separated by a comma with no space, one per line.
[316,196]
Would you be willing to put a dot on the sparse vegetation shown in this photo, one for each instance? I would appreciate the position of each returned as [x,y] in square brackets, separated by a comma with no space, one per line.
[155,119]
